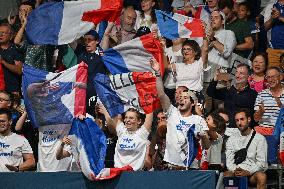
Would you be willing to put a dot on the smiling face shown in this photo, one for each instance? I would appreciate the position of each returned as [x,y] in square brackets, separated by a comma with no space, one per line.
[5,34]
[5,101]
[258,64]
[242,12]
[178,92]
[274,78]
[188,52]
[210,122]
[128,19]
[131,121]
[241,75]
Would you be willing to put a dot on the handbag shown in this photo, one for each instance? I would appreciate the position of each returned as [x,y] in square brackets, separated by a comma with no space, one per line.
[241,154]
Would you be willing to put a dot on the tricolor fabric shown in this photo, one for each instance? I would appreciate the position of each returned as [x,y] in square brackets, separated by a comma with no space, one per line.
[2,80]
[109,173]
[54,98]
[173,25]
[58,23]
[121,91]
[134,55]
[192,146]
[88,146]
[279,134]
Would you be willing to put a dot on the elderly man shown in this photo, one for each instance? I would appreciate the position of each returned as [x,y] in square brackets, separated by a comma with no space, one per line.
[10,59]
[255,162]
[240,95]
[15,151]
[117,34]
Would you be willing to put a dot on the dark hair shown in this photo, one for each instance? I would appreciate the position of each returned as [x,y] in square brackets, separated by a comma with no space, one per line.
[226,3]
[244,110]
[195,47]
[153,14]
[135,111]
[281,56]
[265,57]
[7,112]
[245,4]
[219,122]
[30,3]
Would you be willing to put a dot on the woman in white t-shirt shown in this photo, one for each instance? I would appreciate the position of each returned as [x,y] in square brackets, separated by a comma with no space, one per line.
[189,73]
[132,145]
[146,17]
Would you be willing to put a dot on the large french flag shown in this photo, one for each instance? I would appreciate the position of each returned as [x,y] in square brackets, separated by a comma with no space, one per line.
[134,55]
[54,98]
[59,23]
[173,25]
[88,146]
[120,92]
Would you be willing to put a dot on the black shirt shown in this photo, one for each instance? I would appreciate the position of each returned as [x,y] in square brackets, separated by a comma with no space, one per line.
[12,80]
[233,99]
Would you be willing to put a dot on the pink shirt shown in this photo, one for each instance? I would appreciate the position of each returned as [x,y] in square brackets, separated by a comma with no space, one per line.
[258,86]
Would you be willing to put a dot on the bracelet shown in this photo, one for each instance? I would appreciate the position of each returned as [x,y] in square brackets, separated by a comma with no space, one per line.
[157,73]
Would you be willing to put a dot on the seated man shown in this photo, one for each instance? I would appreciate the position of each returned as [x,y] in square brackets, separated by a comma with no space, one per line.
[15,151]
[239,95]
[255,162]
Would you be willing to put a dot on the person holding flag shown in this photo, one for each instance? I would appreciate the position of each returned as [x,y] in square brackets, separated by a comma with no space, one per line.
[183,128]
[132,144]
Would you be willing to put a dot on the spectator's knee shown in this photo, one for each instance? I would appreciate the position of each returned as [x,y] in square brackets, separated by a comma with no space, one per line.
[260,177]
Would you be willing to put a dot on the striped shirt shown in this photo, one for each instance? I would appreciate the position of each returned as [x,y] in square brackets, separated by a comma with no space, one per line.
[271,108]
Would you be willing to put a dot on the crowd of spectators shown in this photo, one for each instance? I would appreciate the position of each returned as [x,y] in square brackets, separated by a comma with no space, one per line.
[201,96]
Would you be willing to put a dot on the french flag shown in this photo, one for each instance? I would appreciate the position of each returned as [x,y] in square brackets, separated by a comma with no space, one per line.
[88,146]
[58,23]
[134,55]
[120,92]
[173,26]
[54,98]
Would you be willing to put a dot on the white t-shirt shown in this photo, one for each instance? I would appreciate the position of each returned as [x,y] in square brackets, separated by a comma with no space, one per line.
[176,137]
[12,148]
[49,142]
[190,75]
[144,22]
[130,147]
[214,152]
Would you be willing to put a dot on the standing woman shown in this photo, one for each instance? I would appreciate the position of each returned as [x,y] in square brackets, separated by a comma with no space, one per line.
[189,73]
[146,17]
[132,144]
[257,79]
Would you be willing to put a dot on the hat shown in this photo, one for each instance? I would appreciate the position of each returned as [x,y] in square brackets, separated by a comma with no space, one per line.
[93,33]
[143,30]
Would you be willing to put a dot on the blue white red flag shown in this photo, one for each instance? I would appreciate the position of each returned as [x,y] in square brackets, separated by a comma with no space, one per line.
[54,98]
[134,55]
[120,92]
[59,23]
[279,134]
[173,25]
[88,146]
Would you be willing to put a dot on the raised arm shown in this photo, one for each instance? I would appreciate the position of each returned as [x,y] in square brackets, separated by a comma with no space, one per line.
[60,153]
[164,99]
[111,122]
[148,121]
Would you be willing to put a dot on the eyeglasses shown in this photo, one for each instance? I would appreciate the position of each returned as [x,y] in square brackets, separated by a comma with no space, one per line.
[272,77]
[187,49]
[3,99]
[4,33]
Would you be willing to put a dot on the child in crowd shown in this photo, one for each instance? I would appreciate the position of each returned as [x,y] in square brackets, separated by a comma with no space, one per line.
[217,127]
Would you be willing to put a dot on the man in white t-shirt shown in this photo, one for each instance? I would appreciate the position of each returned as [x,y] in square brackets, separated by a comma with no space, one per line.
[180,121]
[15,151]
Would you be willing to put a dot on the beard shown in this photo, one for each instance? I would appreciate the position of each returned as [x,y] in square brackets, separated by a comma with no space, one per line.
[127,27]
